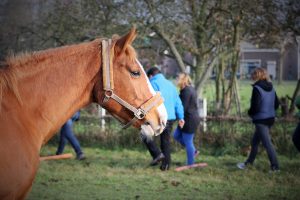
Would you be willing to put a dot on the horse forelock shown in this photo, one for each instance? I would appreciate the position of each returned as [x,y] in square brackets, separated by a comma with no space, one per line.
[131,53]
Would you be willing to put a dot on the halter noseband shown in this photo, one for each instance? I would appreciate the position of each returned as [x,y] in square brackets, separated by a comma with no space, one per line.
[108,87]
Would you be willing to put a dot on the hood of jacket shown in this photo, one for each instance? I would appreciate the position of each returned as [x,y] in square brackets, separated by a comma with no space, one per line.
[265,85]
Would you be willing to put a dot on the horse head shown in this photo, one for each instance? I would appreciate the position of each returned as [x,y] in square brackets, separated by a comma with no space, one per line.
[125,89]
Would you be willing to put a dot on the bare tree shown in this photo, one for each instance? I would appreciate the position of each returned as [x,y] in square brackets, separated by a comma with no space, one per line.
[210,30]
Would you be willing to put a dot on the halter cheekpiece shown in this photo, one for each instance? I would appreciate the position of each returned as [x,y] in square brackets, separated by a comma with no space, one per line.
[108,87]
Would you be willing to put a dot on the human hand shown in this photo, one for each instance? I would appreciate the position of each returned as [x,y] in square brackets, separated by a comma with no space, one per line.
[181,123]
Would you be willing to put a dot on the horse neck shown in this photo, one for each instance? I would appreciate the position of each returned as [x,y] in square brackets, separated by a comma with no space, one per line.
[59,84]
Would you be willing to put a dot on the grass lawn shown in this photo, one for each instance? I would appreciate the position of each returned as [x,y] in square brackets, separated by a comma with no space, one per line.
[125,174]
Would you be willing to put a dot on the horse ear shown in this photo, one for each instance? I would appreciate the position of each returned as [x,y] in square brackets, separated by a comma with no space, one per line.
[123,42]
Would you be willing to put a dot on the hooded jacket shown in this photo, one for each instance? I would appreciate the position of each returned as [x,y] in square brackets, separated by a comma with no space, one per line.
[169,92]
[262,92]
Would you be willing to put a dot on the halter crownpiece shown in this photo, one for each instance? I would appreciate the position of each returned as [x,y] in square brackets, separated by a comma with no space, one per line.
[108,87]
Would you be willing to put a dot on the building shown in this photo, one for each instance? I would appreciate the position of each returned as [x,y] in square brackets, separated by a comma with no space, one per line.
[252,57]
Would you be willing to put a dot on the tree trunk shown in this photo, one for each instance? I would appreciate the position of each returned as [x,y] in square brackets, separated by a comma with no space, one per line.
[172,46]
[220,85]
[234,67]
[296,91]
[284,104]
[280,67]
[237,98]
[204,76]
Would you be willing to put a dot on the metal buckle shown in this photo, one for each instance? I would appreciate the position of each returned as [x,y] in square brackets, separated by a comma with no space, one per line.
[140,114]
[107,95]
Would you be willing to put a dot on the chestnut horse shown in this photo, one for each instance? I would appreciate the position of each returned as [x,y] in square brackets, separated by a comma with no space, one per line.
[41,90]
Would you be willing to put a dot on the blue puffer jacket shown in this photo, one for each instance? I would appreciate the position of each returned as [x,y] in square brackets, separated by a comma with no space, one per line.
[168,91]
[267,104]
[261,109]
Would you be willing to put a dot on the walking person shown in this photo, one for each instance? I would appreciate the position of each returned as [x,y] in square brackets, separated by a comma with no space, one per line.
[66,134]
[264,102]
[174,110]
[185,135]
[296,135]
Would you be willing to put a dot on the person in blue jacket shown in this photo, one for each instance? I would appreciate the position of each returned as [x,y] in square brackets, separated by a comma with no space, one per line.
[264,103]
[175,111]
[66,133]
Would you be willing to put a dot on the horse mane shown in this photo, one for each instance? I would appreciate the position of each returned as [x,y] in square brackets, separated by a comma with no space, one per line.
[8,79]
[9,69]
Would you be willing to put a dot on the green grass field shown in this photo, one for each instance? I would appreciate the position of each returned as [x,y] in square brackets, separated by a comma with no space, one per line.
[125,174]
[115,172]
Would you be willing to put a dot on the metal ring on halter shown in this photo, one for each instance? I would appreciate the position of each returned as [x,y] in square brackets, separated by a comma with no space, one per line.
[140,114]
[107,95]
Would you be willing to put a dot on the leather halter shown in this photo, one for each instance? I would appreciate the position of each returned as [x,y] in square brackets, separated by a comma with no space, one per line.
[108,87]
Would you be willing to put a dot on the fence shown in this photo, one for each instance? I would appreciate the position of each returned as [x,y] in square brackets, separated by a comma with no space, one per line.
[219,135]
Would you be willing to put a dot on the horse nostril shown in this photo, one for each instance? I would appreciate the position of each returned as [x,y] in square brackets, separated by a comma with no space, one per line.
[147,123]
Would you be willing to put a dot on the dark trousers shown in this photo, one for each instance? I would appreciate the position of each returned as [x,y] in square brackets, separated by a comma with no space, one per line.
[66,133]
[164,144]
[262,134]
[296,137]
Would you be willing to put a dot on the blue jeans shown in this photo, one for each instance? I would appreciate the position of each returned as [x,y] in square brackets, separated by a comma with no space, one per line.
[186,140]
[262,134]
[66,133]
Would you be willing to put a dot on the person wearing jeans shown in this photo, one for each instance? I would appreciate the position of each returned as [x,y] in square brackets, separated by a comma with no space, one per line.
[187,141]
[262,134]
[264,102]
[66,134]
[174,109]
[185,135]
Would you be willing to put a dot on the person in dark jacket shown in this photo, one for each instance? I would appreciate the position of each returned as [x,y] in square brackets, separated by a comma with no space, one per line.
[264,103]
[185,135]
[296,135]
[66,133]
[174,109]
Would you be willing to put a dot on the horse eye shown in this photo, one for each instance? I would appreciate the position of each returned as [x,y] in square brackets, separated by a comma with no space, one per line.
[135,74]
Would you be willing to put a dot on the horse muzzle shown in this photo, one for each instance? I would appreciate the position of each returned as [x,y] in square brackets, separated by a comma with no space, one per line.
[150,129]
